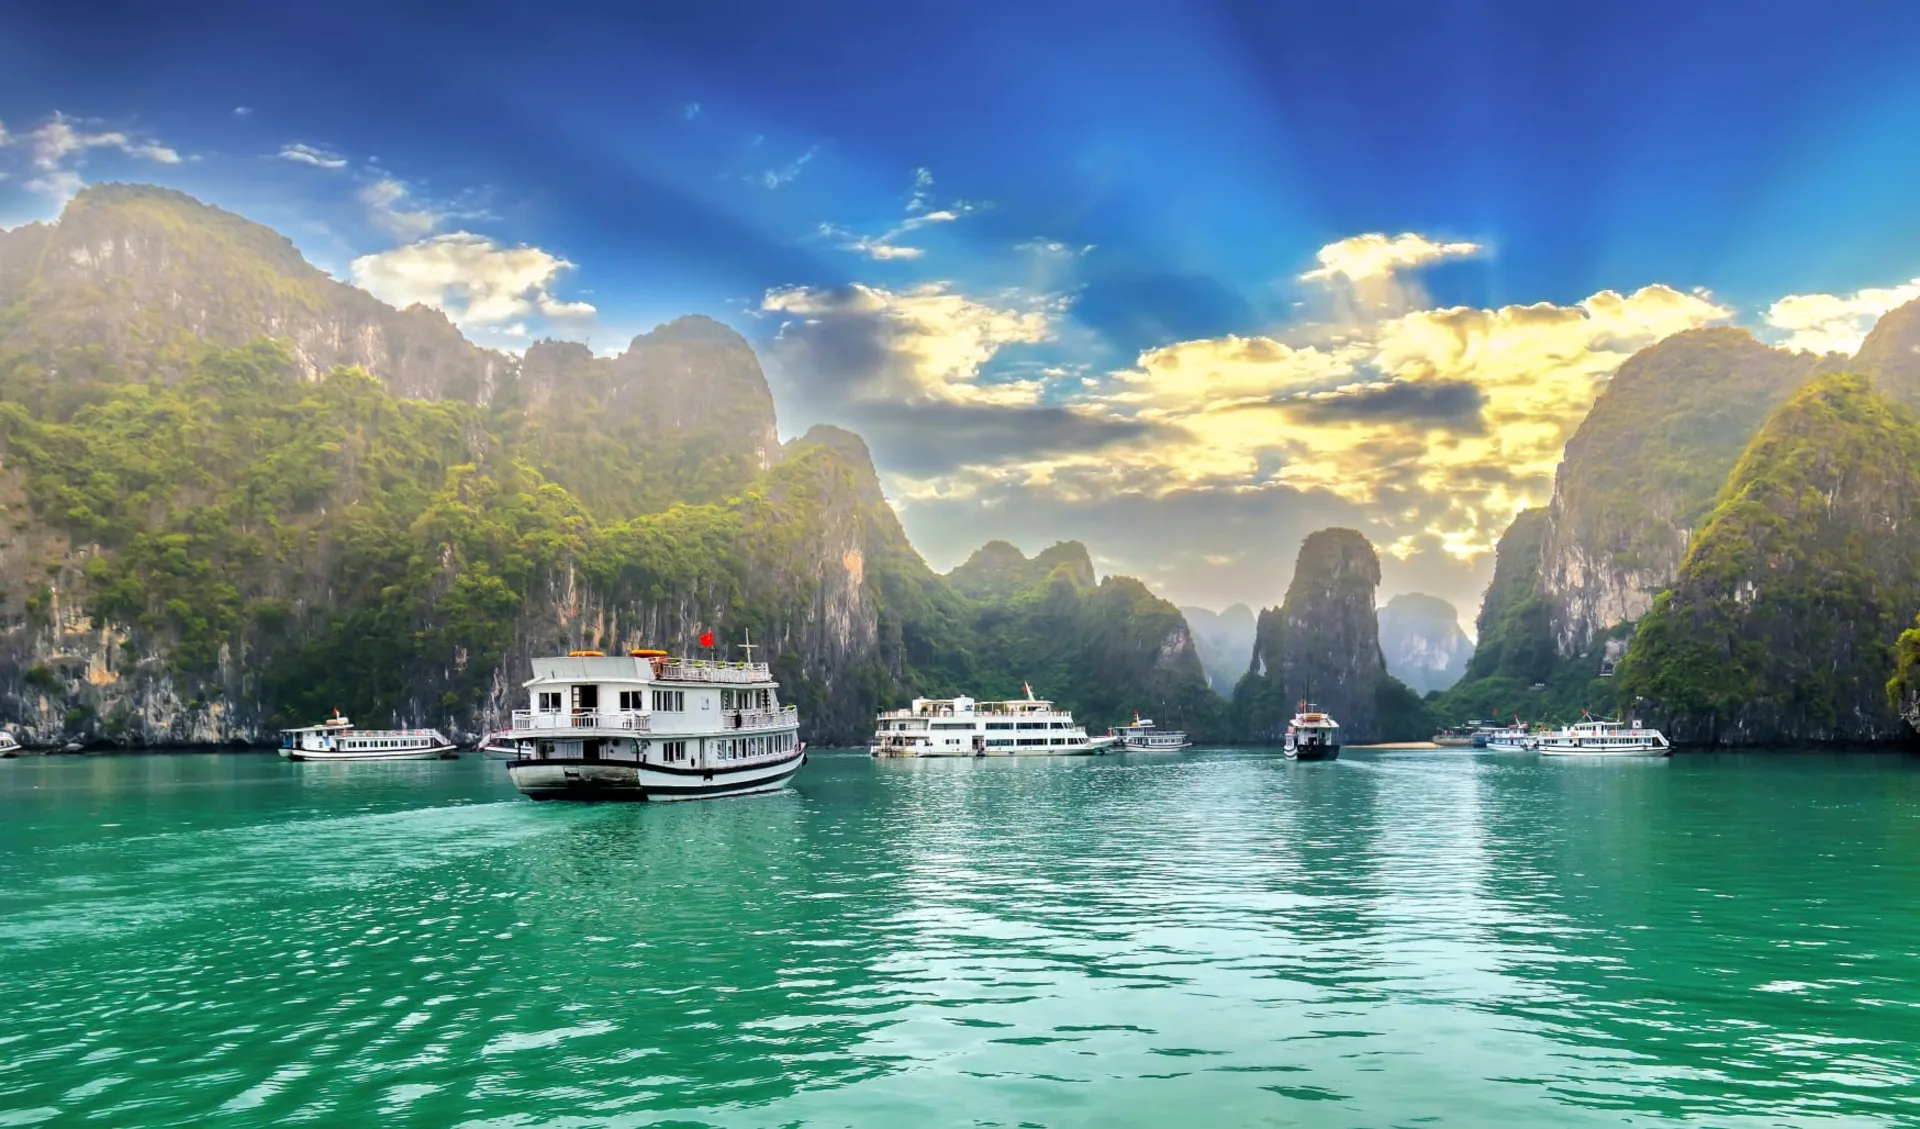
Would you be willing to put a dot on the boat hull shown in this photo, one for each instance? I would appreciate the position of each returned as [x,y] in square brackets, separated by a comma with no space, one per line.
[1508,747]
[1312,752]
[612,780]
[1128,747]
[428,754]
[1636,752]
[936,752]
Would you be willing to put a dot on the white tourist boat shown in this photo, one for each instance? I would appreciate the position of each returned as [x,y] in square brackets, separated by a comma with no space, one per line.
[646,726]
[1142,737]
[336,739]
[1604,738]
[1515,738]
[1311,736]
[962,727]
[498,744]
[9,745]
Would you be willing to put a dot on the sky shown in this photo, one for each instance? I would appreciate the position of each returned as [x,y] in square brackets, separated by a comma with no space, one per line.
[1183,281]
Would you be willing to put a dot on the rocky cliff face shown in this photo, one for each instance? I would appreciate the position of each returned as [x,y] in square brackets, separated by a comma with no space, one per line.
[1322,645]
[1643,469]
[1421,639]
[1780,626]
[1224,641]
[145,274]
[1890,355]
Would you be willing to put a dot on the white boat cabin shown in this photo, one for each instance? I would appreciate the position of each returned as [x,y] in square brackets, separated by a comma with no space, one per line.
[646,707]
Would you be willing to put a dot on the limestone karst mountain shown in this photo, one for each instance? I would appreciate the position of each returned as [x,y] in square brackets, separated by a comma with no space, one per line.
[1224,641]
[1423,643]
[1782,622]
[1322,644]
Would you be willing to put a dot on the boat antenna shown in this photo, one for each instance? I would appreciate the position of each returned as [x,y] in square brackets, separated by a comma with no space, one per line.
[747,646]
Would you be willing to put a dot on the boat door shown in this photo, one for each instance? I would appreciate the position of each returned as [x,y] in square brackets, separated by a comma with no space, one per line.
[590,750]
[586,699]
[979,745]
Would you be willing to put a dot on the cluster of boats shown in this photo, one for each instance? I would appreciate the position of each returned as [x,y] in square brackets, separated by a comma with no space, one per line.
[648,726]
[1590,737]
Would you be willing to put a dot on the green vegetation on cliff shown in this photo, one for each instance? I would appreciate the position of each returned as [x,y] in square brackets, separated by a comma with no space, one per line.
[1782,623]
[1106,648]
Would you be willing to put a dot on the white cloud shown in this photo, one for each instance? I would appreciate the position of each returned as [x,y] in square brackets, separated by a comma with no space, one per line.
[885,246]
[312,155]
[1835,323]
[58,148]
[243,111]
[475,281]
[774,178]
[690,111]
[386,201]
[1361,258]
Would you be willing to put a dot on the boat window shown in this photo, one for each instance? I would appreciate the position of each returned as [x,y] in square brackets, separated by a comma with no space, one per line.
[669,701]
[550,702]
[630,700]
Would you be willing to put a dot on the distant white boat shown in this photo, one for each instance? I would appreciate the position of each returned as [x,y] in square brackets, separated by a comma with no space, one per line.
[1605,739]
[8,745]
[336,739]
[962,727]
[1142,737]
[1515,738]
[499,744]
[1311,736]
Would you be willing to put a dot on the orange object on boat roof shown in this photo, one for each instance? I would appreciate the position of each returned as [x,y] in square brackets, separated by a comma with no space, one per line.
[586,654]
[646,654]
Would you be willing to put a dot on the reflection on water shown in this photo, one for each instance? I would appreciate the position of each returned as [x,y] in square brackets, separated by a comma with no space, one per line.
[1219,938]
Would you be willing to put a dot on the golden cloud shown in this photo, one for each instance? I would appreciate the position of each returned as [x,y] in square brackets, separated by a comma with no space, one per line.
[1835,323]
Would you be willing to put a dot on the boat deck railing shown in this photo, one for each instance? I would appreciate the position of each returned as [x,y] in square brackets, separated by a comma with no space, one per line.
[760,719]
[624,721]
[703,670]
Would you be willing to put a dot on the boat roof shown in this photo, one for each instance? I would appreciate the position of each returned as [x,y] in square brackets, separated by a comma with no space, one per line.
[1316,718]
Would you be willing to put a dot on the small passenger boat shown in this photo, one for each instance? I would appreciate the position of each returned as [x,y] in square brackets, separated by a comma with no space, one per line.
[1605,738]
[9,745]
[1142,737]
[1311,736]
[336,739]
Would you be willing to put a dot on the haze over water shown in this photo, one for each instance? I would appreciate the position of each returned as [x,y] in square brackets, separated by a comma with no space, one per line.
[1217,939]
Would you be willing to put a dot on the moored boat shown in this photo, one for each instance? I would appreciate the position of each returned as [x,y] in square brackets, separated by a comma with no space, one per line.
[648,726]
[498,744]
[1311,736]
[1142,737]
[962,727]
[1515,738]
[336,739]
[1605,738]
[1456,736]
[9,745]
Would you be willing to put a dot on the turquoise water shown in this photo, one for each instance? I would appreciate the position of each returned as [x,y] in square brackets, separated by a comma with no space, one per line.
[1208,939]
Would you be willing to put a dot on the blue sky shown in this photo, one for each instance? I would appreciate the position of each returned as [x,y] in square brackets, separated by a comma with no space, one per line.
[966,220]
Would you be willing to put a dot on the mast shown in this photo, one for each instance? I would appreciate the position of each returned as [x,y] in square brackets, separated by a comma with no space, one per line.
[747,646]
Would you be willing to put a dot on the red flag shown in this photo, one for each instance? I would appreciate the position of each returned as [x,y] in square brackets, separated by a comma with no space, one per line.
[707,639]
